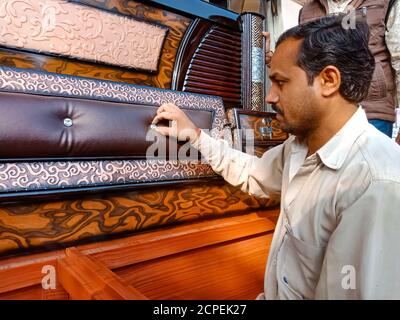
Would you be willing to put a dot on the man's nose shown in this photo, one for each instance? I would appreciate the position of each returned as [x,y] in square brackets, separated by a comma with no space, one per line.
[272,97]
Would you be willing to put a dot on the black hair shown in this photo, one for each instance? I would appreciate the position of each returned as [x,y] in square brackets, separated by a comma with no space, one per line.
[330,41]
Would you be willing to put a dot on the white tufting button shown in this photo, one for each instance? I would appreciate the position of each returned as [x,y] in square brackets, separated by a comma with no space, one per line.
[68,122]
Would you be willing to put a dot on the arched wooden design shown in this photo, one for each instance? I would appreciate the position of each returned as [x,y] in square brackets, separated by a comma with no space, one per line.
[215,66]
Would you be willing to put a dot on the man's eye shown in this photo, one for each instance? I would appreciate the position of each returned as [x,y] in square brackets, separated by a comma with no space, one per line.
[280,83]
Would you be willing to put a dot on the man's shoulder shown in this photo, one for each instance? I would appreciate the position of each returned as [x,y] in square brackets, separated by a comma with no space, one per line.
[379,154]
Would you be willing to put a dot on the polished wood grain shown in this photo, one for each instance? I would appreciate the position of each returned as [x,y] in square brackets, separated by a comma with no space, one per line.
[176,23]
[24,293]
[231,271]
[18,273]
[85,278]
[69,222]
[169,241]
[59,293]
[25,271]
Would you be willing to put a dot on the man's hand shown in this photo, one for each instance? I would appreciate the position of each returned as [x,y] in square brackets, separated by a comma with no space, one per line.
[268,52]
[182,127]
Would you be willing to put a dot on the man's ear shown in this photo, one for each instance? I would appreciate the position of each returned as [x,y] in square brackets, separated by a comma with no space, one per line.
[329,81]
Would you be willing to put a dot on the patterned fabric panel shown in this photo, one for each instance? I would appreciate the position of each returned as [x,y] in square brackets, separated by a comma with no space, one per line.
[72,30]
[35,176]
[53,175]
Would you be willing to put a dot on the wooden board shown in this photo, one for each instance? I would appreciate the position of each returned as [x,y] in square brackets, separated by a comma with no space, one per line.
[238,246]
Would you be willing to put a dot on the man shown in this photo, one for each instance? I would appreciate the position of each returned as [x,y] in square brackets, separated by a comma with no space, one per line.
[393,43]
[381,101]
[338,177]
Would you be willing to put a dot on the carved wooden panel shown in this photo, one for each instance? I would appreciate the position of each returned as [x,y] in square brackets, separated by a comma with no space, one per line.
[78,31]
[177,25]
[54,223]
[215,67]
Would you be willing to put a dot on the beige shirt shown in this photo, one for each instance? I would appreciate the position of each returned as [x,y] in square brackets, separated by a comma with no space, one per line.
[338,234]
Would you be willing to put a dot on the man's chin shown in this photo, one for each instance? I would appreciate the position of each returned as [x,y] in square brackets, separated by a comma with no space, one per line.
[281,123]
[285,127]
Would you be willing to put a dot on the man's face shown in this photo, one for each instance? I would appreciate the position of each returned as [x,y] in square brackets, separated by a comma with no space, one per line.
[295,101]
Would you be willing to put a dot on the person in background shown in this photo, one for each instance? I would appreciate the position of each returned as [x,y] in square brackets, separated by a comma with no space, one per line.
[383,19]
[393,43]
[337,176]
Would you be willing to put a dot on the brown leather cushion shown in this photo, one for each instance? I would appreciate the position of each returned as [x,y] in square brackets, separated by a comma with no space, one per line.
[32,127]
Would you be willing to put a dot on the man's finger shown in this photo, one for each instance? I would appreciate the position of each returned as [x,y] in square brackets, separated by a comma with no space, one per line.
[165,131]
[167,107]
[163,107]
[164,115]
[267,37]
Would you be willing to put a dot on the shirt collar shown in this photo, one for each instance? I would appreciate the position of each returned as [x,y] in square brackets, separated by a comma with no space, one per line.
[335,151]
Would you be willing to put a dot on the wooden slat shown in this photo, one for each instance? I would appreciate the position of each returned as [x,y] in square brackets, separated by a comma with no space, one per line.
[215,86]
[224,45]
[25,293]
[234,36]
[212,66]
[217,37]
[85,278]
[224,56]
[201,56]
[220,93]
[55,294]
[235,75]
[214,81]
[169,241]
[221,50]
[199,74]
[16,273]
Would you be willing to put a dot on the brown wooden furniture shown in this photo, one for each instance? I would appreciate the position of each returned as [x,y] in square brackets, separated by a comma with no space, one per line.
[215,259]
[173,231]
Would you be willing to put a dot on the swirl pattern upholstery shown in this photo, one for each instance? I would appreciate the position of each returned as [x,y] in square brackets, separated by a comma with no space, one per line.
[64,133]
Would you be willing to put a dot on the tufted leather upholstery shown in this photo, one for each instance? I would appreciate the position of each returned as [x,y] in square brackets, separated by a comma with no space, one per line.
[34,126]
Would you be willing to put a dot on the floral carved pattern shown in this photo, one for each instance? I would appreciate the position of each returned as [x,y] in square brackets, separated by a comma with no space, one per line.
[82,32]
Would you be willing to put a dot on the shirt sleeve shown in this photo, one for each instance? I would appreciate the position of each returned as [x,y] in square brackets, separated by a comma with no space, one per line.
[393,42]
[260,177]
[362,256]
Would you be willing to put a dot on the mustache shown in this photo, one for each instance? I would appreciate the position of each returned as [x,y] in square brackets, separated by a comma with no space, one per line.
[277,109]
